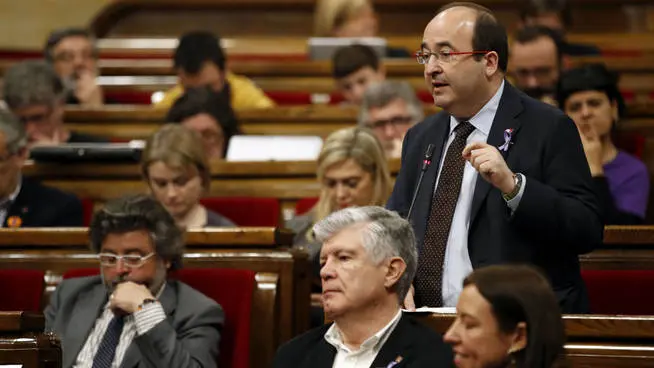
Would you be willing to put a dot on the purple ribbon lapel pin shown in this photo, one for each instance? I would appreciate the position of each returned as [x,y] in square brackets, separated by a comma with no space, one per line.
[508,135]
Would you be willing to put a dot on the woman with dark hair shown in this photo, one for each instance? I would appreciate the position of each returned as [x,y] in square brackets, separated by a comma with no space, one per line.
[590,96]
[507,316]
[210,114]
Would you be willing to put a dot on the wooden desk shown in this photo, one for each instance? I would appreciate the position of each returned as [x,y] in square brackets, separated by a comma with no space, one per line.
[597,341]
[263,250]
[23,342]
[287,181]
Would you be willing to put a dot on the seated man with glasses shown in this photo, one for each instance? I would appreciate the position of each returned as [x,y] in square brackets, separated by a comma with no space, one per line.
[34,93]
[390,108]
[131,315]
[24,202]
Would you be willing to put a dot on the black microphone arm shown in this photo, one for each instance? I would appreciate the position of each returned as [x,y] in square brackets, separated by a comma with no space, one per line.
[429,153]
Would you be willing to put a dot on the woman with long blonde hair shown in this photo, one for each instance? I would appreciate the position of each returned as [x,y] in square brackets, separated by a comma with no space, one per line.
[352,171]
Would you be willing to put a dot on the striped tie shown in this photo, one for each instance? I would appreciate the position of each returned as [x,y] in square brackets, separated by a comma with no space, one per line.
[107,349]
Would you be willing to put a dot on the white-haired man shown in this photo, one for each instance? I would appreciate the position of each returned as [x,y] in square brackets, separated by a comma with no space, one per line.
[368,261]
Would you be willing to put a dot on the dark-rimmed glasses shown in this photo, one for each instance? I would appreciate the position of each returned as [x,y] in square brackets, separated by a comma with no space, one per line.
[129,260]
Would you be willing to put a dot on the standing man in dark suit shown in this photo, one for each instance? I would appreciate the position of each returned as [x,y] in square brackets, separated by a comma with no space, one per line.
[507,180]
[368,260]
[23,201]
[131,316]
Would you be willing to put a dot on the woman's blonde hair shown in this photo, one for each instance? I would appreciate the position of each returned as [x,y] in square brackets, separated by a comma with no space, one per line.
[331,14]
[179,148]
[363,147]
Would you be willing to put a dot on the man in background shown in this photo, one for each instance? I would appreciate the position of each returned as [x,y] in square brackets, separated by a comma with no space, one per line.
[355,67]
[35,94]
[389,109]
[535,62]
[74,56]
[24,202]
[200,61]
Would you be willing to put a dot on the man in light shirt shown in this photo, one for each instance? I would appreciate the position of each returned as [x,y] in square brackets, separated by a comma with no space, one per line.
[368,260]
[130,316]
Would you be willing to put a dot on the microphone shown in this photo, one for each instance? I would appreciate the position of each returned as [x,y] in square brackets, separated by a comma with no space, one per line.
[429,153]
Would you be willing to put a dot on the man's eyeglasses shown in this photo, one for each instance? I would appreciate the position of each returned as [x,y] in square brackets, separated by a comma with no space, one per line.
[68,57]
[129,260]
[444,56]
[394,121]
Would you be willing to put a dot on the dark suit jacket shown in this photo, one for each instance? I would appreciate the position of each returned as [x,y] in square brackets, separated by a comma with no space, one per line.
[418,345]
[559,215]
[188,338]
[41,206]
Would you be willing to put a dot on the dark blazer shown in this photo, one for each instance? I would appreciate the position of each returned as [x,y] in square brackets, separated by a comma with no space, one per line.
[418,345]
[188,338]
[559,216]
[39,206]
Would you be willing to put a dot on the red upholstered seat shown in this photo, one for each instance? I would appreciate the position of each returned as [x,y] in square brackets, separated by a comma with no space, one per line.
[230,288]
[246,211]
[87,210]
[631,143]
[21,290]
[620,291]
[304,205]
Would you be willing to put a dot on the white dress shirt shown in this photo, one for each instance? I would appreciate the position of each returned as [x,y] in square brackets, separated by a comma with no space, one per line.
[457,265]
[367,352]
[136,324]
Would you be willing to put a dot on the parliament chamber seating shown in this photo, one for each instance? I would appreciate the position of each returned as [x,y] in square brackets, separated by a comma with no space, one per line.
[620,291]
[233,289]
[21,290]
[305,204]
[280,300]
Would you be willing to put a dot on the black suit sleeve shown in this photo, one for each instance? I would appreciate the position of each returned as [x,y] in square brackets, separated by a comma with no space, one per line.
[400,199]
[562,208]
[71,213]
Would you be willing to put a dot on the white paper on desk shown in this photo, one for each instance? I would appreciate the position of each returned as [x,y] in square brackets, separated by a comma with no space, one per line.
[441,310]
[11,366]
[273,148]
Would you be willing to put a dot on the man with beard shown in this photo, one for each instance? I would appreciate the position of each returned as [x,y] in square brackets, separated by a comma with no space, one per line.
[74,56]
[535,62]
[130,315]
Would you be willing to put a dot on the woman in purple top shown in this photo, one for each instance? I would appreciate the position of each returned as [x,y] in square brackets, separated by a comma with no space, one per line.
[590,96]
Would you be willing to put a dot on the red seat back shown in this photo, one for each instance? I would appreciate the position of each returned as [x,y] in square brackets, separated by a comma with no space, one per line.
[245,211]
[21,290]
[620,291]
[304,205]
[87,210]
[233,290]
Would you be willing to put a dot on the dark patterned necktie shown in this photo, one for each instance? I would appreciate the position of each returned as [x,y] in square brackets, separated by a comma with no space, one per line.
[429,280]
[107,349]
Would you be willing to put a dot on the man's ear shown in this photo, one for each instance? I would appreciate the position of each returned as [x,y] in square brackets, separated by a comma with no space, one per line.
[519,340]
[492,63]
[395,270]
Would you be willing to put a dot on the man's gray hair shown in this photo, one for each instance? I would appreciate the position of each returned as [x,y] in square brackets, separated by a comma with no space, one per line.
[32,83]
[380,94]
[385,235]
[13,131]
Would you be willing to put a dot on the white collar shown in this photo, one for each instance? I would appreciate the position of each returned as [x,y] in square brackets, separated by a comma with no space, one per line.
[14,194]
[334,337]
[483,120]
